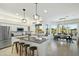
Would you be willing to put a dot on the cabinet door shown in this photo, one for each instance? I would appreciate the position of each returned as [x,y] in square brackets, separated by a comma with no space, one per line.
[1,35]
[1,44]
[6,32]
[3,32]
[5,43]
[4,36]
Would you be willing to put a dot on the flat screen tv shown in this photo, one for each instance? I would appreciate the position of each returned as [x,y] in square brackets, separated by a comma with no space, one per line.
[20,29]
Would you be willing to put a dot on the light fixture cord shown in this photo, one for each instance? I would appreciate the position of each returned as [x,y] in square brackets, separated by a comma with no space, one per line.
[36,8]
[24,12]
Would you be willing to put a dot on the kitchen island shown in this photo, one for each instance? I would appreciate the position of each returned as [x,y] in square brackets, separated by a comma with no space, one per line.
[41,43]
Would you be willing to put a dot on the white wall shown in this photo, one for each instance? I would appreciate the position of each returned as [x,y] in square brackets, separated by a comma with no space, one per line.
[12,20]
[13,25]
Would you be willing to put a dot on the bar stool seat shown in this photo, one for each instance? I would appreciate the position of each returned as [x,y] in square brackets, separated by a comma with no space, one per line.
[32,50]
[21,43]
[26,45]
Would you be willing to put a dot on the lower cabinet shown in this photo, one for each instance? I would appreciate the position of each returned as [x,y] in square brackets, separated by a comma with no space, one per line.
[5,36]
[5,43]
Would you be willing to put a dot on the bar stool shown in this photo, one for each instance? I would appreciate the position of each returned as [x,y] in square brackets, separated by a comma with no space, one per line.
[26,46]
[16,44]
[32,50]
[21,44]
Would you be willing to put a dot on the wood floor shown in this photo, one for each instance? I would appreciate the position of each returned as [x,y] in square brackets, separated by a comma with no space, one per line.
[56,48]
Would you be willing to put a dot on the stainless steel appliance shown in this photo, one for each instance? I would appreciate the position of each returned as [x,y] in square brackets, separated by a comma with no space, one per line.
[5,39]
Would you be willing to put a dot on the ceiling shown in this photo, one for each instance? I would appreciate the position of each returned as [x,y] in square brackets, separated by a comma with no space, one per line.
[55,11]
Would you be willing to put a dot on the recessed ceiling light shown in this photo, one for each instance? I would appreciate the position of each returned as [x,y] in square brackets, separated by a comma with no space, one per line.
[45,11]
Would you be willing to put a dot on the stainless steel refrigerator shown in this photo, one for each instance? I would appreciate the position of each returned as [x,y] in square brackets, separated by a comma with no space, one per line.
[5,39]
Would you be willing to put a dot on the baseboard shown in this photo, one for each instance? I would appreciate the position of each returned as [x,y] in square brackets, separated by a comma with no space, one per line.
[5,47]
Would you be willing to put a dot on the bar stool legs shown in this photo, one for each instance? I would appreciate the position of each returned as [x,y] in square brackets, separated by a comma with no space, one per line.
[26,46]
[32,50]
[21,48]
[24,49]
[12,48]
[15,44]
[16,48]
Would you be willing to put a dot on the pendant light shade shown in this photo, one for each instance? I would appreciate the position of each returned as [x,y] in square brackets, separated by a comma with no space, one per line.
[36,16]
[24,20]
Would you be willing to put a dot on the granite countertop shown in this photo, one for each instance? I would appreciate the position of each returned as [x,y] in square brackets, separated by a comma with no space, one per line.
[37,40]
[20,37]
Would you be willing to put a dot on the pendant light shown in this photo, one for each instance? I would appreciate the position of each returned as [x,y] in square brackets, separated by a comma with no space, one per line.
[36,16]
[24,20]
